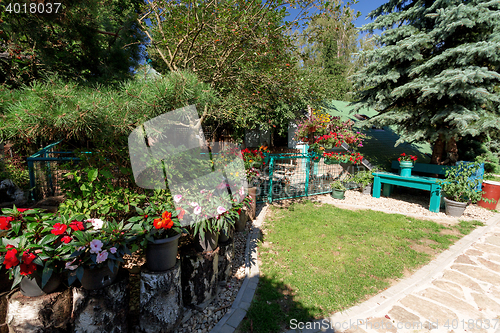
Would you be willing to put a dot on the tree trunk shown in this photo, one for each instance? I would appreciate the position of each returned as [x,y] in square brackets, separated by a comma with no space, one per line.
[48,313]
[104,310]
[161,300]
[452,151]
[437,151]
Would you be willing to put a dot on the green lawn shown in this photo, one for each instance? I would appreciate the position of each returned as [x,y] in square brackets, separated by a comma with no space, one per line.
[319,259]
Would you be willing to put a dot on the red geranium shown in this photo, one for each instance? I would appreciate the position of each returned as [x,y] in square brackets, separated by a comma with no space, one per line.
[59,229]
[5,222]
[10,259]
[76,225]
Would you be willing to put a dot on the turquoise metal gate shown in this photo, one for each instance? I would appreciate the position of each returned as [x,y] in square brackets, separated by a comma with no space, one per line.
[286,176]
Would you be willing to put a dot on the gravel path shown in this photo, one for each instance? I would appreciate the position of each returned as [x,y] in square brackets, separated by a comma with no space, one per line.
[414,203]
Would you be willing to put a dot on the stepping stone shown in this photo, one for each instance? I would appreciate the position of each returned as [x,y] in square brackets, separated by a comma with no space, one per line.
[461,280]
[478,273]
[450,301]
[484,302]
[450,287]
[402,315]
[428,310]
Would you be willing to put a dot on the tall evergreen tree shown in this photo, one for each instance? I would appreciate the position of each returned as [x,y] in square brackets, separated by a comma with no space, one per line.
[435,72]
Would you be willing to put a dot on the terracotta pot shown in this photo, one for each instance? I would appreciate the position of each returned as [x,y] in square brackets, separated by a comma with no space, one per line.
[492,192]
[161,254]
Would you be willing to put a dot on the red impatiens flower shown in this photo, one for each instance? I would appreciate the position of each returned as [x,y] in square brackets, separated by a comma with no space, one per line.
[28,257]
[10,259]
[20,210]
[5,222]
[66,239]
[27,269]
[59,229]
[76,225]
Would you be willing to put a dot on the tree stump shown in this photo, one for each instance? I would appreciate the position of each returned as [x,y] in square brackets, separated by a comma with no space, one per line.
[104,310]
[199,273]
[47,313]
[226,255]
[4,300]
[160,300]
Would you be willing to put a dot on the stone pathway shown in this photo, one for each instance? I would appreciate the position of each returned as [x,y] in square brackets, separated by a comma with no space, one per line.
[459,291]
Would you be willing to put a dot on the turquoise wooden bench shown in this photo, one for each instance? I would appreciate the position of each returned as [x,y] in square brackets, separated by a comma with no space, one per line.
[424,168]
[422,183]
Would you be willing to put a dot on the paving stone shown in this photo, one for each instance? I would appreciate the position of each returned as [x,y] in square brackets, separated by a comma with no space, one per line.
[450,287]
[484,302]
[478,273]
[428,310]
[462,280]
[495,240]
[495,292]
[474,252]
[463,259]
[487,248]
[450,301]
[493,257]
[402,315]
[489,264]
[381,325]
[355,329]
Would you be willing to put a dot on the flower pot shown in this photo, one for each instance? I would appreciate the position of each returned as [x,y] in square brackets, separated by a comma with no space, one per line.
[207,243]
[338,194]
[241,223]
[405,168]
[367,189]
[492,192]
[31,287]
[225,237]
[161,254]
[454,208]
[98,278]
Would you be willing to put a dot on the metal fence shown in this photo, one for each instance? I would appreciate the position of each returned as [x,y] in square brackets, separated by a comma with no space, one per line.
[286,176]
[46,172]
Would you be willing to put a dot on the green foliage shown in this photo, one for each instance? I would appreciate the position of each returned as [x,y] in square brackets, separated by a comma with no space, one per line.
[15,170]
[435,73]
[363,177]
[458,184]
[44,112]
[100,189]
[338,185]
[87,40]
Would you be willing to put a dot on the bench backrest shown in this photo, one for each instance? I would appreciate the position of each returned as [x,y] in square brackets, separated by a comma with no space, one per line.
[425,168]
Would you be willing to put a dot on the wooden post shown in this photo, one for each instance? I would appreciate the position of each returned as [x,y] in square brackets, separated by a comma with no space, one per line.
[48,313]
[161,300]
[199,273]
[104,310]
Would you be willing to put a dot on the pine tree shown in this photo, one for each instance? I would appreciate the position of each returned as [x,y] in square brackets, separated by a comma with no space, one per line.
[435,72]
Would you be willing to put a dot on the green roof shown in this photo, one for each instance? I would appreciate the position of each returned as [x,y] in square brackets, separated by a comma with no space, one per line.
[379,147]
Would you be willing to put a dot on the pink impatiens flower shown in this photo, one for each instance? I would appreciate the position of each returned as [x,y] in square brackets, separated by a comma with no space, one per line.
[95,246]
[101,257]
[197,210]
[112,250]
[221,210]
[177,198]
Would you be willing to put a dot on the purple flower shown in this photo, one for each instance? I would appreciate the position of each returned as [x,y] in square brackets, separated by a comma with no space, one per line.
[112,250]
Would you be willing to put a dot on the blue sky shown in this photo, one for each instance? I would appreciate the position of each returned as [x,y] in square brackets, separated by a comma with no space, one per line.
[366,6]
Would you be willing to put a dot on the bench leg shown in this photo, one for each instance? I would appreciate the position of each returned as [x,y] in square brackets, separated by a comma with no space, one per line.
[387,190]
[376,187]
[435,200]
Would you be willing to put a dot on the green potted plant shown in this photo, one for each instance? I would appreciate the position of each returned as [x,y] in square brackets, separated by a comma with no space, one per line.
[406,163]
[460,187]
[365,180]
[338,189]
[32,248]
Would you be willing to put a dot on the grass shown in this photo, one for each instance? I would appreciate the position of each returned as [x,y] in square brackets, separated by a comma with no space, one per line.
[319,259]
